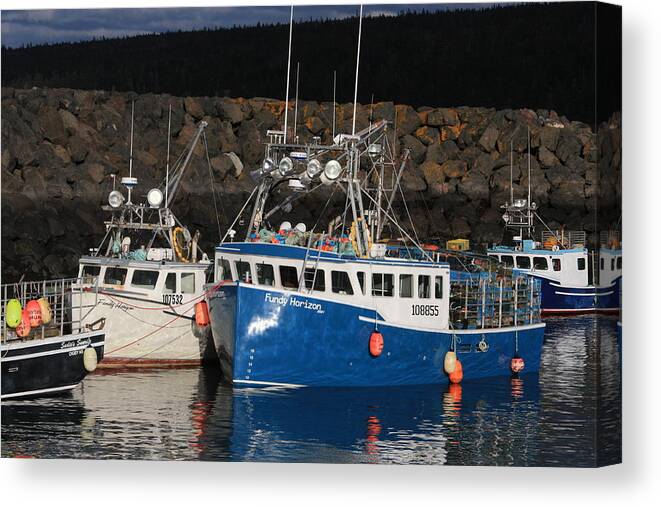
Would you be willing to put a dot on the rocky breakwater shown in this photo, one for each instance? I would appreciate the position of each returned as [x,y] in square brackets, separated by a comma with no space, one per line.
[61,146]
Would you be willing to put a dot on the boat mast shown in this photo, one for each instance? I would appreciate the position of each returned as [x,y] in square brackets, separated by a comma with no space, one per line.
[131,154]
[291,25]
[298,68]
[334,103]
[167,157]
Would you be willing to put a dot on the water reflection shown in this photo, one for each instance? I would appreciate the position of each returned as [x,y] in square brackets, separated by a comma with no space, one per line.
[545,419]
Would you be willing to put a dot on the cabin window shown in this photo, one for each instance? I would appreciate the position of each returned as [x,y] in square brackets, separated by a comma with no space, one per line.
[288,277]
[602,263]
[170,284]
[361,281]
[508,260]
[612,264]
[265,275]
[340,283]
[540,263]
[556,264]
[619,263]
[316,275]
[144,279]
[243,271]
[224,270]
[115,276]
[91,272]
[424,286]
[522,262]
[580,264]
[382,284]
[405,286]
[188,283]
[438,287]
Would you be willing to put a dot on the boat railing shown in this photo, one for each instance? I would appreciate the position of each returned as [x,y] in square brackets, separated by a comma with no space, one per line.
[610,239]
[564,239]
[488,300]
[58,293]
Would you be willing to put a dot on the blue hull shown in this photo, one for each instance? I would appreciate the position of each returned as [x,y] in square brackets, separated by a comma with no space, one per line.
[274,337]
[559,299]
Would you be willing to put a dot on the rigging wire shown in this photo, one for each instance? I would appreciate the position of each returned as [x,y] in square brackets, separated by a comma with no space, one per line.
[213,189]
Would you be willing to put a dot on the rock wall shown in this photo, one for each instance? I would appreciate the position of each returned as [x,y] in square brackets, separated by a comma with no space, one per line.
[61,146]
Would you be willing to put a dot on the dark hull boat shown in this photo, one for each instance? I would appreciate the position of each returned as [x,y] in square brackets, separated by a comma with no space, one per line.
[49,365]
[44,349]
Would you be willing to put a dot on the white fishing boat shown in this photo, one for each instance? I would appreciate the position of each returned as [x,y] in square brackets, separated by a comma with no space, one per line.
[150,273]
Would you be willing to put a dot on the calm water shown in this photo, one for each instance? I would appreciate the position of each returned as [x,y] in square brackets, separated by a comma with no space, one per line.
[538,420]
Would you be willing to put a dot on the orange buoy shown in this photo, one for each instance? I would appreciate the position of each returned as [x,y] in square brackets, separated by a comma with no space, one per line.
[376,343]
[517,364]
[23,329]
[34,311]
[201,314]
[458,374]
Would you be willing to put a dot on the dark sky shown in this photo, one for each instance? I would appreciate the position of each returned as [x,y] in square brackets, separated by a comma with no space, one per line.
[70,25]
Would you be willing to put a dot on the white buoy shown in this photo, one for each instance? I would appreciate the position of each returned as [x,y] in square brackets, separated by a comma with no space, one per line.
[90,359]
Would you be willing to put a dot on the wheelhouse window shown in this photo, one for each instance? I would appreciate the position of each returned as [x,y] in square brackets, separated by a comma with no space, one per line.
[224,270]
[405,286]
[143,279]
[424,286]
[316,277]
[602,264]
[540,263]
[619,263]
[522,262]
[557,265]
[243,271]
[612,264]
[580,263]
[382,284]
[438,287]
[361,281]
[115,276]
[188,283]
[288,277]
[265,274]
[508,260]
[170,284]
[90,272]
[340,283]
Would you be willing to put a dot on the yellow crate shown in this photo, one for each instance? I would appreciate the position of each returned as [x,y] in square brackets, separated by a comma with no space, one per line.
[458,244]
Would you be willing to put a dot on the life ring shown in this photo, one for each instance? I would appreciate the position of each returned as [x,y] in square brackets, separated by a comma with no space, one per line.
[178,246]
[482,345]
[555,248]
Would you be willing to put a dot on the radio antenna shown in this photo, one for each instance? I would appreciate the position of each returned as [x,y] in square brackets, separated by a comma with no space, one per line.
[131,148]
[298,68]
[334,103]
[167,158]
[355,91]
[291,24]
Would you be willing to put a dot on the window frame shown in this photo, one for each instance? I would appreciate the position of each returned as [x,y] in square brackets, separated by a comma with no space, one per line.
[151,287]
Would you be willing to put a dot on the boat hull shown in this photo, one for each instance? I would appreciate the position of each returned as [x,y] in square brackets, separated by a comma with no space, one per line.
[558,299]
[145,333]
[46,366]
[277,337]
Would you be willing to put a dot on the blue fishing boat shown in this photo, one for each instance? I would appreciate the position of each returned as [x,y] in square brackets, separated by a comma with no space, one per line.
[343,306]
[578,273]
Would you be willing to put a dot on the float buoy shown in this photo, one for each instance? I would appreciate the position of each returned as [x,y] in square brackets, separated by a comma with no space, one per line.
[517,364]
[90,359]
[23,329]
[458,374]
[45,310]
[450,362]
[13,313]
[376,344]
[482,345]
[34,311]
[201,314]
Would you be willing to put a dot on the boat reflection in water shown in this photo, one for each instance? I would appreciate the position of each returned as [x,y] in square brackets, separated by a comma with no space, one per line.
[545,419]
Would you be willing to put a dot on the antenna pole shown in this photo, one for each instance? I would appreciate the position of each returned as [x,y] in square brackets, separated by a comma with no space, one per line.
[511,171]
[529,193]
[298,68]
[355,91]
[167,159]
[291,24]
[334,103]
[131,152]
